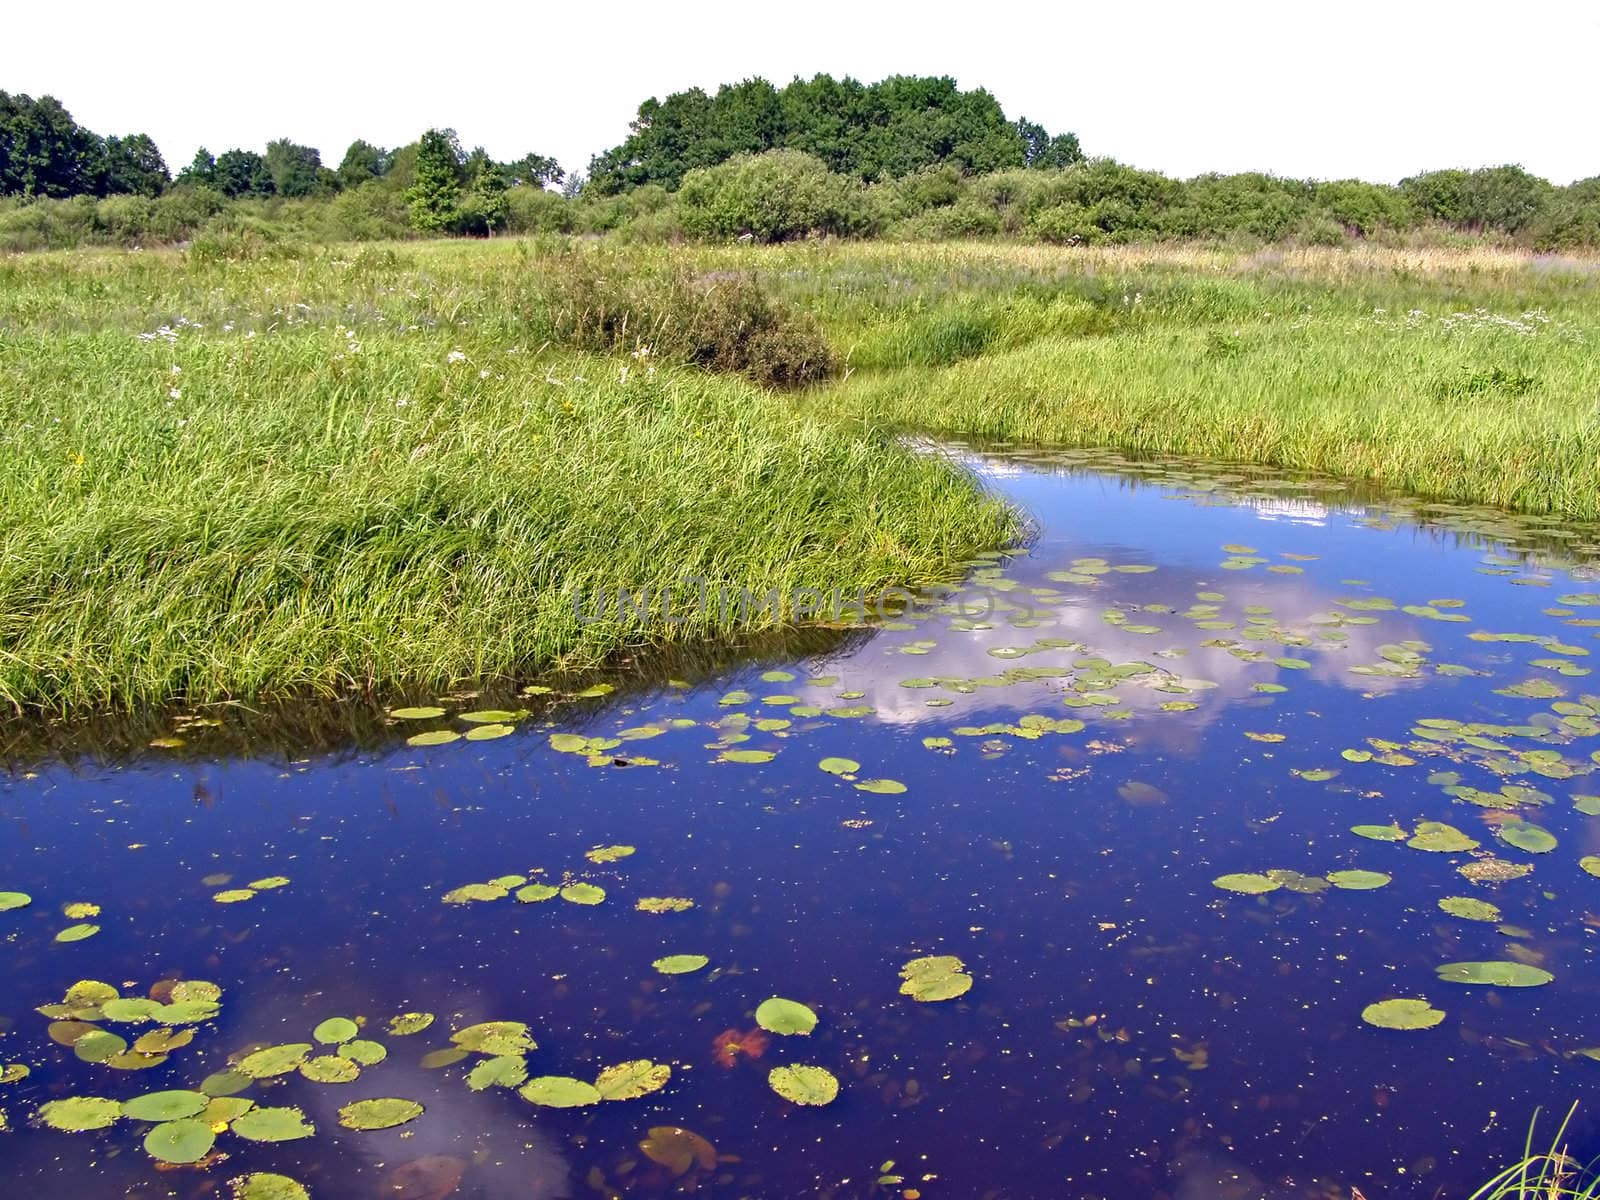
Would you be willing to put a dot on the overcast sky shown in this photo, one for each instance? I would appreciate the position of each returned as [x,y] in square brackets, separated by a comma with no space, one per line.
[1378,90]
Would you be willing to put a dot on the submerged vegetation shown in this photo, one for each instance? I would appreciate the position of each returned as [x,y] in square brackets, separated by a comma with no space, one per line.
[258,474]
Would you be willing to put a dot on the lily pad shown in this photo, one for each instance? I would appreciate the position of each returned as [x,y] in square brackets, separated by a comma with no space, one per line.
[606,854]
[335,1030]
[77,933]
[680,964]
[806,1085]
[839,766]
[273,1125]
[1402,1014]
[935,977]
[1469,909]
[1248,883]
[786,1017]
[420,712]
[11,900]
[366,1053]
[408,1023]
[1380,833]
[630,1080]
[165,1106]
[384,1113]
[560,1091]
[274,1060]
[330,1068]
[80,1114]
[434,737]
[180,1141]
[506,1070]
[1526,836]
[1440,838]
[495,1038]
[883,787]
[664,904]
[1495,974]
[748,756]
[535,892]
[1358,881]
[583,893]
[264,1185]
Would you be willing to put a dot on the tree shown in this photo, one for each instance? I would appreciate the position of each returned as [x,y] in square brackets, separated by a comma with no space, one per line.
[483,207]
[361,162]
[201,171]
[43,151]
[535,170]
[436,194]
[132,165]
[294,169]
[241,173]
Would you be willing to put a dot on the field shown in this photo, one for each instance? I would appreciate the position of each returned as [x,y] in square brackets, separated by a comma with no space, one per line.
[259,473]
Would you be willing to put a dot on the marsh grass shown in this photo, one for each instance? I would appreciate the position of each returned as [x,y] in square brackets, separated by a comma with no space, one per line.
[1550,1174]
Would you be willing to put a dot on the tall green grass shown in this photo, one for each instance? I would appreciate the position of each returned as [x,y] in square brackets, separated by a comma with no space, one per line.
[1549,1174]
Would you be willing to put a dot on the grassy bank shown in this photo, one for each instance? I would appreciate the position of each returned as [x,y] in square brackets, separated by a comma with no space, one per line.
[322,476]
[256,473]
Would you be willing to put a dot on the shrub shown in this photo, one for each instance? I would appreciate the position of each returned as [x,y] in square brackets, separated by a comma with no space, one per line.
[772,197]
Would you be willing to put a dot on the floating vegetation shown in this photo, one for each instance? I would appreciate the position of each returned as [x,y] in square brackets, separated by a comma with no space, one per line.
[11,900]
[282,1124]
[883,787]
[664,904]
[806,1085]
[409,1023]
[183,1141]
[680,964]
[263,1185]
[80,1114]
[1469,909]
[583,893]
[935,977]
[1248,883]
[560,1091]
[1402,1014]
[609,854]
[1440,838]
[385,1113]
[785,1017]
[630,1080]
[1358,881]
[1495,974]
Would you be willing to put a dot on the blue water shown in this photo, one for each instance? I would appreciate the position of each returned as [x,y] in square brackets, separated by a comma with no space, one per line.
[1133,1030]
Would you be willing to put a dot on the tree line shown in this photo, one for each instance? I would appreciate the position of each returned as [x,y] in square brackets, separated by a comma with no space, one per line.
[910,157]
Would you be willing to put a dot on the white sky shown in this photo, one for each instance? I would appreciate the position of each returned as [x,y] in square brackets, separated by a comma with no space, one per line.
[1378,90]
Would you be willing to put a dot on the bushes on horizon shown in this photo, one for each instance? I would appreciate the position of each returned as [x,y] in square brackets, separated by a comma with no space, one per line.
[772,197]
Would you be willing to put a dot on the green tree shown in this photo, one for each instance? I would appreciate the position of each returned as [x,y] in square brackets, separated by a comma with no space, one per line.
[361,162]
[295,169]
[436,194]
[241,173]
[201,171]
[132,165]
[43,151]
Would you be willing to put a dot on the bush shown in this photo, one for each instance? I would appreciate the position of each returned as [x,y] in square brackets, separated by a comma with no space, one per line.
[534,210]
[772,197]
[1364,208]
[722,322]
[374,211]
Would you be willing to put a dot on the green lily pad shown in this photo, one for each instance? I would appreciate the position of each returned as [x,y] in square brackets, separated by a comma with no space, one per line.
[487,716]
[274,1060]
[786,1017]
[1469,909]
[607,854]
[384,1113]
[77,933]
[1358,881]
[488,733]
[806,1085]
[165,1106]
[273,1125]
[1402,1014]
[408,1023]
[1440,838]
[1526,836]
[10,900]
[748,756]
[474,893]
[434,737]
[680,964]
[535,892]
[883,787]
[225,1083]
[422,712]
[935,977]
[630,1080]
[560,1091]
[270,883]
[583,893]
[366,1053]
[80,1114]
[1248,883]
[179,1141]
[839,766]
[1494,974]
[335,1030]
[1591,864]
[264,1185]
[330,1068]
[99,1046]
[1380,833]
[664,904]
[505,1070]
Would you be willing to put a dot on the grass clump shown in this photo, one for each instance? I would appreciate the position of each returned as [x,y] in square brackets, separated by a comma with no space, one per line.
[1551,1174]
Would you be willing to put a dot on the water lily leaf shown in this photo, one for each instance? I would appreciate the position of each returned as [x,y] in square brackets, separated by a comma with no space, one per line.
[1380,833]
[273,1125]
[1526,836]
[535,892]
[1358,881]
[1440,838]
[330,1068]
[422,712]
[270,883]
[224,1110]
[839,766]
[335,1030]
[77,933]
[1590,863]
[680,964]
[495,1038]
[179,1141]
[434,1059]
[935,977]
[80,1114]
[13,1073]
[225,1083]
[1248,883]
[583,893]
[474,893]
[487,716]
[274,1060]
[630,1080]
[408,1023]
[366,1053]
[1469,909]
[1495,974]
[488,733]
[664,904]
[800,1084]
[606,854]
[1402,1014]
[434,737]
[883,787]
[235,896]
[11,900]
[165,1106]
[99,1046]
[787,1017]
[505,1070]
[384,1113]
[747,756]
[264,1185]
[560,1091]
[678,1149]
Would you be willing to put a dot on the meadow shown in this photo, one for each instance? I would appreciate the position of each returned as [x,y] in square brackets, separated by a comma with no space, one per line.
[259,471]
